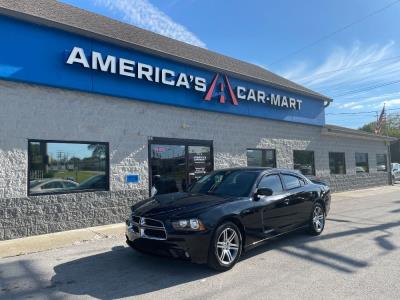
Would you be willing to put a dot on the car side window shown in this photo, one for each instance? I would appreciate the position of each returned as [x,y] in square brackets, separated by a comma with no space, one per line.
[272,182]
[291,181]
[52,185]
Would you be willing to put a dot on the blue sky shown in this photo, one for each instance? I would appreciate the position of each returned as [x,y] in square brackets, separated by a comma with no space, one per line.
[267,33]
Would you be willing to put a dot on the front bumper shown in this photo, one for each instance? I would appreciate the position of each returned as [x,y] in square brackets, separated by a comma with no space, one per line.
[191,246]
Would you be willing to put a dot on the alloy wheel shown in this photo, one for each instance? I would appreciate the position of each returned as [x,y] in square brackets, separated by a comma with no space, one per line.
[227,246]
[318,218]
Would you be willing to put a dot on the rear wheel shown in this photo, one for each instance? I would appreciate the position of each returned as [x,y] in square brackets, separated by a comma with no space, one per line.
[225,248]
[317,220]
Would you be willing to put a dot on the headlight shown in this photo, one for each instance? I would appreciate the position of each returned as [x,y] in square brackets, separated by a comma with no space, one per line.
[188,224]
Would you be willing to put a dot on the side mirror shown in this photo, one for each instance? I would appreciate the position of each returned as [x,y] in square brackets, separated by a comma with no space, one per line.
[263,192]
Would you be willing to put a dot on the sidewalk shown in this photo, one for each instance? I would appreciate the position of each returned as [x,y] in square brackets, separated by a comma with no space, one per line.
[67,238]
[62,239]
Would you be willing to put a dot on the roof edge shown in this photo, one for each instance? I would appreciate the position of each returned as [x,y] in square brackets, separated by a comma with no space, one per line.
[12,10]
[348,132]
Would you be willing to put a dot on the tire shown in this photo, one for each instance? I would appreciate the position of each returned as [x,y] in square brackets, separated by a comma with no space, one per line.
[317,220]
[225,247]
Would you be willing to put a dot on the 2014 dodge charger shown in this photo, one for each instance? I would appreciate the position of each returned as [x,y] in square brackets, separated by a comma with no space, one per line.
[227,212]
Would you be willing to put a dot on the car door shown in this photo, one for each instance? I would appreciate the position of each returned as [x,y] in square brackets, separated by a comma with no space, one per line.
[274,208]
[300,199]
[396,171]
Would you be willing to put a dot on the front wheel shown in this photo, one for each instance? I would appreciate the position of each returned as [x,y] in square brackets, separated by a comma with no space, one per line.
[225,247]
[317,220]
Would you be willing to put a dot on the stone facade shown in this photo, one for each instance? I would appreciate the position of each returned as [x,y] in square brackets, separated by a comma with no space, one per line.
[37,112]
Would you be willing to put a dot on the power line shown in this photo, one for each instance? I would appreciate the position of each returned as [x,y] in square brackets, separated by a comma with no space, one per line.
[353,113]
[367,88]
[362,112]
[351,67]
[335,32]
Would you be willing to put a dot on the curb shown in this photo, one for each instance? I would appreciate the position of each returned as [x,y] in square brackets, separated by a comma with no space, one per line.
[56,240]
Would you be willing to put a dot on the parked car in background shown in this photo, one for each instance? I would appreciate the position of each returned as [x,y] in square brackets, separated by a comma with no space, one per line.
[360,169]
[226,213]
[395,169]
[381,167]
[51,185]
[94,182]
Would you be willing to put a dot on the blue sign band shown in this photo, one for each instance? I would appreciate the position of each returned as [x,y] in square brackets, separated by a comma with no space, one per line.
[38,54]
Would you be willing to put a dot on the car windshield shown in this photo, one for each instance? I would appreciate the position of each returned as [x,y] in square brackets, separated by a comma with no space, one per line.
[236,183]
[34,183]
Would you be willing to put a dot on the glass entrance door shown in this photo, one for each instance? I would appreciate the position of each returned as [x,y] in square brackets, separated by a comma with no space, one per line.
[175,164]
[199,162]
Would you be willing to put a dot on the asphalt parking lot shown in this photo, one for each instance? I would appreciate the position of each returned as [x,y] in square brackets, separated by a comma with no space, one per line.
[356,257]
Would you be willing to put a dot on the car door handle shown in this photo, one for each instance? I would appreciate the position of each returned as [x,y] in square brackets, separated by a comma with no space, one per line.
[286,201]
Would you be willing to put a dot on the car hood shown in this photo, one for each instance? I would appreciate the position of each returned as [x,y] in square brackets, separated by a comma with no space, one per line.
[177,204]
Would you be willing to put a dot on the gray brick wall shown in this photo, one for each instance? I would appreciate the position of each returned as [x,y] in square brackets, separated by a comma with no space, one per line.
[36,112]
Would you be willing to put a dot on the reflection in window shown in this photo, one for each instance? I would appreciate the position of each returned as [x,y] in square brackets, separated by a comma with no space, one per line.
[381,162]
[291,182]
[168,168]
[261,158]
[362,163]
[62,167]
[304,162]
[337,164]
[272,182]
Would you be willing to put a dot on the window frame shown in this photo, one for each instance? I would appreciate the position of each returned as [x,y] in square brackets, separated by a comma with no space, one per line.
[272,174]
[355,159]
[107,167]
[313,161]
[263,156]
[301,181]
[344,160]
[386,162]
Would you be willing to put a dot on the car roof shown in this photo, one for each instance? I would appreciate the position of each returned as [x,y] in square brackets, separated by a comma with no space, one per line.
[260,169]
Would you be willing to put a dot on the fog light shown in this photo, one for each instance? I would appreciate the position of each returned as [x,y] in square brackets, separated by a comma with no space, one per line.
[187,254]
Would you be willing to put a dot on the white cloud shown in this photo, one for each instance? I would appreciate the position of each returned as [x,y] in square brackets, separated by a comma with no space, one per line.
[370,102]
[390,103]
[350,69]
[143,14]
[358,106]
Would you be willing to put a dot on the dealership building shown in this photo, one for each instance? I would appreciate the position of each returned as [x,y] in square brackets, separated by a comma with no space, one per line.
[97,115]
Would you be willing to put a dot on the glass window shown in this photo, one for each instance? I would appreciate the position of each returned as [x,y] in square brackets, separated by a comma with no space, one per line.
[291,181]
[272,182]
[337,164]
[63,167]
[261,158]
[168,168]
[362,163]
[304,162]
[381,162]
[237,183]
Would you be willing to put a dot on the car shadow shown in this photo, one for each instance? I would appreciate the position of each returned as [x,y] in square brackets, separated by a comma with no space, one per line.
[299,245]
[123,272]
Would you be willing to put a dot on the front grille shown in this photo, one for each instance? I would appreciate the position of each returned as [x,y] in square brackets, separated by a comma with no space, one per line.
[154,223]
[135,228]
[136,219]
[159,234]
[149,228]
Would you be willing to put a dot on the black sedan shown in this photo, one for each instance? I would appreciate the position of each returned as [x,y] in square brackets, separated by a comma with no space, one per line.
[226,213]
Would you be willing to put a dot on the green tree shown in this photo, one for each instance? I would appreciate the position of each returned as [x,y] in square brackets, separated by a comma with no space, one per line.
[98,150]
[390,128]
